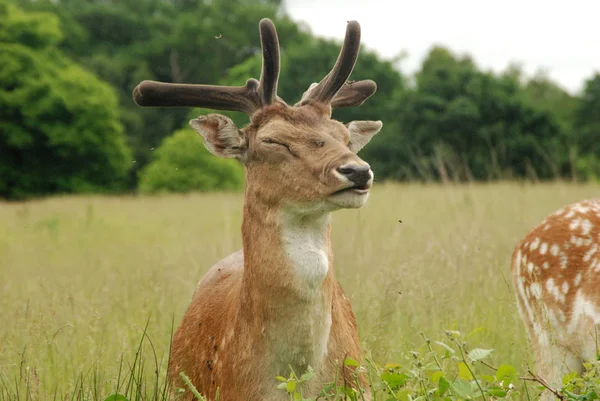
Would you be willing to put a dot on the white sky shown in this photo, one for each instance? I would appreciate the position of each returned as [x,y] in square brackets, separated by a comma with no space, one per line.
[560,37]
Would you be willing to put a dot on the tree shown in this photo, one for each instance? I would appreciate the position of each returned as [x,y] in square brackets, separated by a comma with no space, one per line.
[60,129]
[588,127]
[456,121]
[127,41]
[547,96]
[462,123]
[182,164]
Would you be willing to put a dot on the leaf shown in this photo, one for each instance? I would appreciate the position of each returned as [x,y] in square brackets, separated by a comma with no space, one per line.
[461,388]
[463,372]
[349,391]
[487,378]
[435,375]
[281,378]
[475,392]
[351,362]
[591,395]
[306,376]
[116,397]
[443,386]
[391,366]
[290,386]
[507,373]
[328,388]
[478,354]
[569,377]
[282,385]
[402,395]
[394,379]
[496,392]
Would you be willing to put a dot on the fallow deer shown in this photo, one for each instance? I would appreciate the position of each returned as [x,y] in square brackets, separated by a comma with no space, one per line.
[276,303]
[556,275]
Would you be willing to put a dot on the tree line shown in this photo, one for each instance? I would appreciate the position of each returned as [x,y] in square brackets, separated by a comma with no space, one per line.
[69,123]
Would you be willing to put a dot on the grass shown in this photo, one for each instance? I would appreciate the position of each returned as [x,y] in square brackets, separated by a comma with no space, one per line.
[82,279]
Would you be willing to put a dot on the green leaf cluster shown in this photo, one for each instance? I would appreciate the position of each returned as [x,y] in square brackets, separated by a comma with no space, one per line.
[182,164]
[449,370]
[60,129]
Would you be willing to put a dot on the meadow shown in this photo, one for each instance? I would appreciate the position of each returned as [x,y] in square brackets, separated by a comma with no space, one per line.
[82,278]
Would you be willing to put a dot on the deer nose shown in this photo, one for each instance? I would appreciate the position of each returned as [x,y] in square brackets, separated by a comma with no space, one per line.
[360,175]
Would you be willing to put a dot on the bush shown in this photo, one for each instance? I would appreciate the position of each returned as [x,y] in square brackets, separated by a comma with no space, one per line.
[60,129]
[448,370]
[183,164]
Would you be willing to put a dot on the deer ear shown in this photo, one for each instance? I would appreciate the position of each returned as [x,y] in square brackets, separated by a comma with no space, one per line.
[221,136]
[361,133]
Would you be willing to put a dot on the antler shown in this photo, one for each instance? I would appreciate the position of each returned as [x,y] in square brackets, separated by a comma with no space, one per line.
[333,88]
[248,98]
[352,94]
[333,83]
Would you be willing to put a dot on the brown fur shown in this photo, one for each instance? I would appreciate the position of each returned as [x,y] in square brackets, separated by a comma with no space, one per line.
[556,273]
[229,335]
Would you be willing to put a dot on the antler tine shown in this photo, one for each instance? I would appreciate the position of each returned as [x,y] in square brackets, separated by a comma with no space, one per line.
[330,85]
[235,98]
[269,75]
[353,94]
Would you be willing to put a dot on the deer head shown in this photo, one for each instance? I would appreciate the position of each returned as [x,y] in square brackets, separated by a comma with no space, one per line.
[295,156]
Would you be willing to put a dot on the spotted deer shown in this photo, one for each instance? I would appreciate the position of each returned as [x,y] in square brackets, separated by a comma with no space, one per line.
[556,274]
[276,303]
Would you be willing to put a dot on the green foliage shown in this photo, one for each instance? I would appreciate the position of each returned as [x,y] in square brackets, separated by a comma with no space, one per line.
[34,30]
[588,124]
[293,384]
[548,96]
[182,164]
[465,124]
[447,371]
[60,129]
[127,41]
[456,122]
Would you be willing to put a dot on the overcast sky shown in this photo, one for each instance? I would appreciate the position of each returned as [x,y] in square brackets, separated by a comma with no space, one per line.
[560,37]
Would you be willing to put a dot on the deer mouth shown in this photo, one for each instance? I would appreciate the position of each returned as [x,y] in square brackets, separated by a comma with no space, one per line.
[357,189]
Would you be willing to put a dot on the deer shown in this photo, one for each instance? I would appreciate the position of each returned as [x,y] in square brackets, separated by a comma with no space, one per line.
[556,277]
[276,303]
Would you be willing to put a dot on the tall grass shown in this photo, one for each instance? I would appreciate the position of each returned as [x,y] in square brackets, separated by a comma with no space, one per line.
[92,286]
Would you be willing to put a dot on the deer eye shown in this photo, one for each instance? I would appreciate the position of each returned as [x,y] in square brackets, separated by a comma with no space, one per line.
[271,141]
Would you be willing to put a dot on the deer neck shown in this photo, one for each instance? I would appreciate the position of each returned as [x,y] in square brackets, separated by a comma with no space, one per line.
[288,282]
